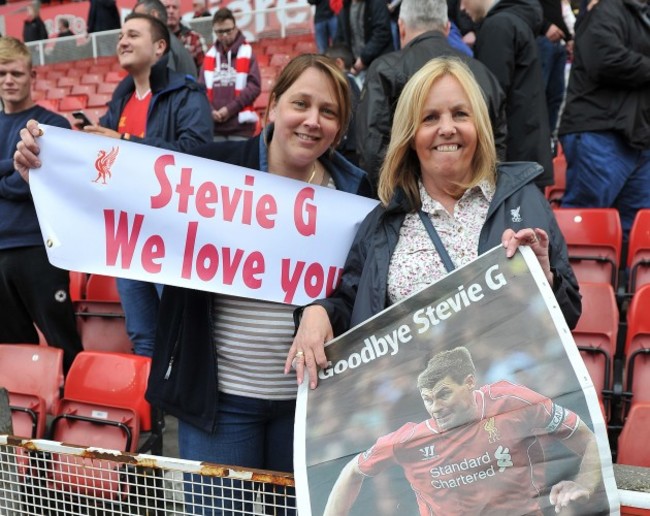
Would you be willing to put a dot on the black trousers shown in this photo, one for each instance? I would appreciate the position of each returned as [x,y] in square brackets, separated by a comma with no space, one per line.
[32,291]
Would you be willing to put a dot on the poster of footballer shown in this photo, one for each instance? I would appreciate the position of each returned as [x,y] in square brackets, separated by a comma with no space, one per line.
[469,397]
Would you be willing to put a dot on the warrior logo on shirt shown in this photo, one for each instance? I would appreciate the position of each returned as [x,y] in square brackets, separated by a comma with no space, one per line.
[428,452]
[492,430]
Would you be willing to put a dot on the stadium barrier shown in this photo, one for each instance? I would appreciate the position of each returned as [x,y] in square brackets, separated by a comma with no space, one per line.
[41,477]
[276,22]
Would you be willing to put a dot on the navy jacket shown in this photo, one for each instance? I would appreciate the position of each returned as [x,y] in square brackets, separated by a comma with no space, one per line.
[18,223]
[179,113]
[183,379]
[363,290]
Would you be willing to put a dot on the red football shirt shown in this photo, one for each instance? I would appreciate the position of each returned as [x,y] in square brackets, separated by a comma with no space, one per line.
[133,119]
[491,466]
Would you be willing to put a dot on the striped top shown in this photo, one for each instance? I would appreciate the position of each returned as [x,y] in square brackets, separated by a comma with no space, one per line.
[253,338]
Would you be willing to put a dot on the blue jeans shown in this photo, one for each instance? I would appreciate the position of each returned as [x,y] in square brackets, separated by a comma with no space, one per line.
[325,31]
[603,171]
[251,433]
[552,57]
[394,31]
[140,301]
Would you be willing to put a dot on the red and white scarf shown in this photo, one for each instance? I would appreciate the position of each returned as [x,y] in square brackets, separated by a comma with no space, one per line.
[242,66]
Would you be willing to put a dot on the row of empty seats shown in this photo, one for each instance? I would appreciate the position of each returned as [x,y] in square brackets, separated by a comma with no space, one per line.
[595,242]
[102,402]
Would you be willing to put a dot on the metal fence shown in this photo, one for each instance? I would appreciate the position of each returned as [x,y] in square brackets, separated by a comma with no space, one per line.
[277,22]
[40,477]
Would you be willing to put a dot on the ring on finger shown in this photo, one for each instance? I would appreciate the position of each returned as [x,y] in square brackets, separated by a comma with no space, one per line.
[300,354]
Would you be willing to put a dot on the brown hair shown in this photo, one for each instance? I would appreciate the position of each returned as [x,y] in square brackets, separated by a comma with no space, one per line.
[455,363]
[296,67]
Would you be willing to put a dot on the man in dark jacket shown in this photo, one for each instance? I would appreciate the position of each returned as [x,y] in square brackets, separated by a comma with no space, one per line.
[605,129]
[158,107]
[423,26]
[179,58]
[506,44]
[32,291]
[34,28]
[103,15]
[364,27]
[554,45]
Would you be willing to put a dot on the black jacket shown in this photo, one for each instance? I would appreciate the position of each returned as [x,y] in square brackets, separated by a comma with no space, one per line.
[506,44]
[609,87]
[384,83]
[362,292]
[103,15]
[376,24]
[34,30]
[323,11]
[183,379]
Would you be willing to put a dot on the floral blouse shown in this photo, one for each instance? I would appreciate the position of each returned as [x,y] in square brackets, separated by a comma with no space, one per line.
[415,263]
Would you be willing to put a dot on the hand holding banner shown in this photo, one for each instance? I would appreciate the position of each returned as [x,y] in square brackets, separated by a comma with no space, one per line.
[134,211]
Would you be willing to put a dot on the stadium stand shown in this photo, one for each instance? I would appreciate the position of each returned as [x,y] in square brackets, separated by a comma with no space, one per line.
[555,192]
[637,350]
[100,317]
[594,239]
[596,335]
[633,448]
[33,376]
[638,256]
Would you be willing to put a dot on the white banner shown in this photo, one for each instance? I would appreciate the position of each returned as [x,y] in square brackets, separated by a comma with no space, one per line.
[124,209]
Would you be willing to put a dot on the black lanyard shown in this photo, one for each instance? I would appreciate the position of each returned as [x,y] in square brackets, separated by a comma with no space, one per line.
[435,238]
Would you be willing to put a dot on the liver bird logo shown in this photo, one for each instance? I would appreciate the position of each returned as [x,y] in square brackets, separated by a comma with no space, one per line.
[103,164]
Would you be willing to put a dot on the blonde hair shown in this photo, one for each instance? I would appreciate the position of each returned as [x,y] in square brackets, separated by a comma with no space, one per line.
[296,67]
[12,49]
[401,167]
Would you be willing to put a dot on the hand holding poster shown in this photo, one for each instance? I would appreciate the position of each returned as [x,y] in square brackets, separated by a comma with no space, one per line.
[134,211]
[469,397]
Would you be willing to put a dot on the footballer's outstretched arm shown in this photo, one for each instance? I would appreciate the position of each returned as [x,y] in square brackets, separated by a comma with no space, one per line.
[345,490]
[589,476]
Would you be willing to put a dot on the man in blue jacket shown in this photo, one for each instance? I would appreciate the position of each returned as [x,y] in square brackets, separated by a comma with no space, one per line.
[159,107]
[32,292]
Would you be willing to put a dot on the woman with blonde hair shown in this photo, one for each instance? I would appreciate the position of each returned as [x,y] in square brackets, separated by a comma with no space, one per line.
[444,201]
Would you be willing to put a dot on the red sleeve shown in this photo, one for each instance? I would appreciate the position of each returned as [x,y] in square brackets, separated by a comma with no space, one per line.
[382,453]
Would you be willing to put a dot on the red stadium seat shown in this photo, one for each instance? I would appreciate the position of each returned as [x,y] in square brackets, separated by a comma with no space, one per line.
[83,89]
[638,256]
[106,87]
[92,78]
[555,192]
[100,317]
[98,99]
[67,80]
[633,446]
[51,104]
[114,76]
[78,285]
[57,93]
[637,348]
[73,102]
[99,382]
[594,239]
[33,376]
[280,60]
[103,406]
[306,47]
[596,334]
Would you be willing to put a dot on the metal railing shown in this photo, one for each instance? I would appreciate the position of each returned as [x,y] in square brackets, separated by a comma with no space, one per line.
[40,477]
[277,22]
